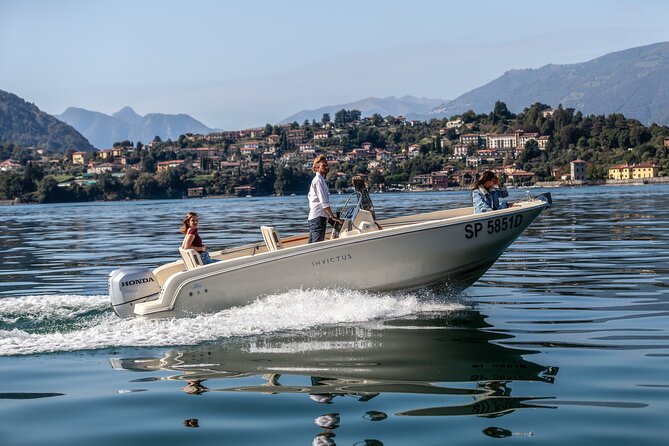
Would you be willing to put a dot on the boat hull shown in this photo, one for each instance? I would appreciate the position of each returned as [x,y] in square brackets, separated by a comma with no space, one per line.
[452,252]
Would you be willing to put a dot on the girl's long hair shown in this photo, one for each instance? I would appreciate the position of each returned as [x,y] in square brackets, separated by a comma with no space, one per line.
[485,176]
[185,224]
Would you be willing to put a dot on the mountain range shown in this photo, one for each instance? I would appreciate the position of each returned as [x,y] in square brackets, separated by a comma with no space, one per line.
[23,124]
[383,106]
[632,82]
[126,125]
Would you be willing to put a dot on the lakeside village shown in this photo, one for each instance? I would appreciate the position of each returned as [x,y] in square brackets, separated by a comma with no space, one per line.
[539,147]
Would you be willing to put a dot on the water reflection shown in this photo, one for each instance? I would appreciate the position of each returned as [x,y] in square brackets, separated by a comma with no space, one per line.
[26,395]
[456,358]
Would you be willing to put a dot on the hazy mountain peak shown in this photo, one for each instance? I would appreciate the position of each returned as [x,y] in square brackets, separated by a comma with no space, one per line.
[126,125]
[128,115]
[390,105]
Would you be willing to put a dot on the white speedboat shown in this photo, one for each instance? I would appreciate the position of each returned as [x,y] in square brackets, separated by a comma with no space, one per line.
[452,248]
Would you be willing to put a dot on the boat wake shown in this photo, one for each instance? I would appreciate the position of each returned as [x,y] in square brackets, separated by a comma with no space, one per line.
[65,323]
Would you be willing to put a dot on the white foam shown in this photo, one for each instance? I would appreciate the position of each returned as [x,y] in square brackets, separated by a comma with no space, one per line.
[42,308]
[294,310]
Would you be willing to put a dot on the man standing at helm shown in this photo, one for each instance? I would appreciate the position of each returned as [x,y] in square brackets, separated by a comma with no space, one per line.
[319,201]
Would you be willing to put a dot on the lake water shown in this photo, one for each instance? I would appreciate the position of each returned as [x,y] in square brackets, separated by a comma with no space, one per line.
[564,341]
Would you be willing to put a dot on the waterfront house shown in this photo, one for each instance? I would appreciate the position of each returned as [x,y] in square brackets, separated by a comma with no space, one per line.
[195,192]
[578,170]
[635,171]
[423,180]
[519,177]
[244,190]
[467,177]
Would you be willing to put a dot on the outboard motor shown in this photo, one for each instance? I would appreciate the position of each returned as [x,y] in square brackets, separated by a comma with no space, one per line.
[129,286]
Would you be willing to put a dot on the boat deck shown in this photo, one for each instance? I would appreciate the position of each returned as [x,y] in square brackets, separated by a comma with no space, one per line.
[163,272]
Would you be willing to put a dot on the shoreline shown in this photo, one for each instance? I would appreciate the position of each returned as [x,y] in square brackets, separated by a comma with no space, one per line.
[629,182]
[539,184]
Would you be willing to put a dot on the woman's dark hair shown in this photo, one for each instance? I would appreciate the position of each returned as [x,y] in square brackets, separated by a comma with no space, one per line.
[485,176]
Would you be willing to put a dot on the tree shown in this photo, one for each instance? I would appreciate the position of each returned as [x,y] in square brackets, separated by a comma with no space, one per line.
[376,120]
[149,162]
[340,117]
[343,116]
[48,191]
[530,152]
[128,182]
[376,179]
[501,113]
[125,143]
[341,183]
[325,120]
[76,192]
[261,170]
[171,183]
[110,187]
[12,186]
[32,175]
[146,186]
[290,180]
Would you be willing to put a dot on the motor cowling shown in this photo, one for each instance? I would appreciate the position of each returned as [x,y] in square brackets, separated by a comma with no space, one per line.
[129,286]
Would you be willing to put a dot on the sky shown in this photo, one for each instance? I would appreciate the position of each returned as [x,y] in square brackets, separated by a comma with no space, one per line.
[245,63]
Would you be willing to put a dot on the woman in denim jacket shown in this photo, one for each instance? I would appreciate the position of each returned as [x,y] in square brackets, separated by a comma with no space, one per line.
[486,193]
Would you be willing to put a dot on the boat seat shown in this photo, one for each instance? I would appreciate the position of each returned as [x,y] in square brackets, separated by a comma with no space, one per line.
[191,258]
[271,238]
